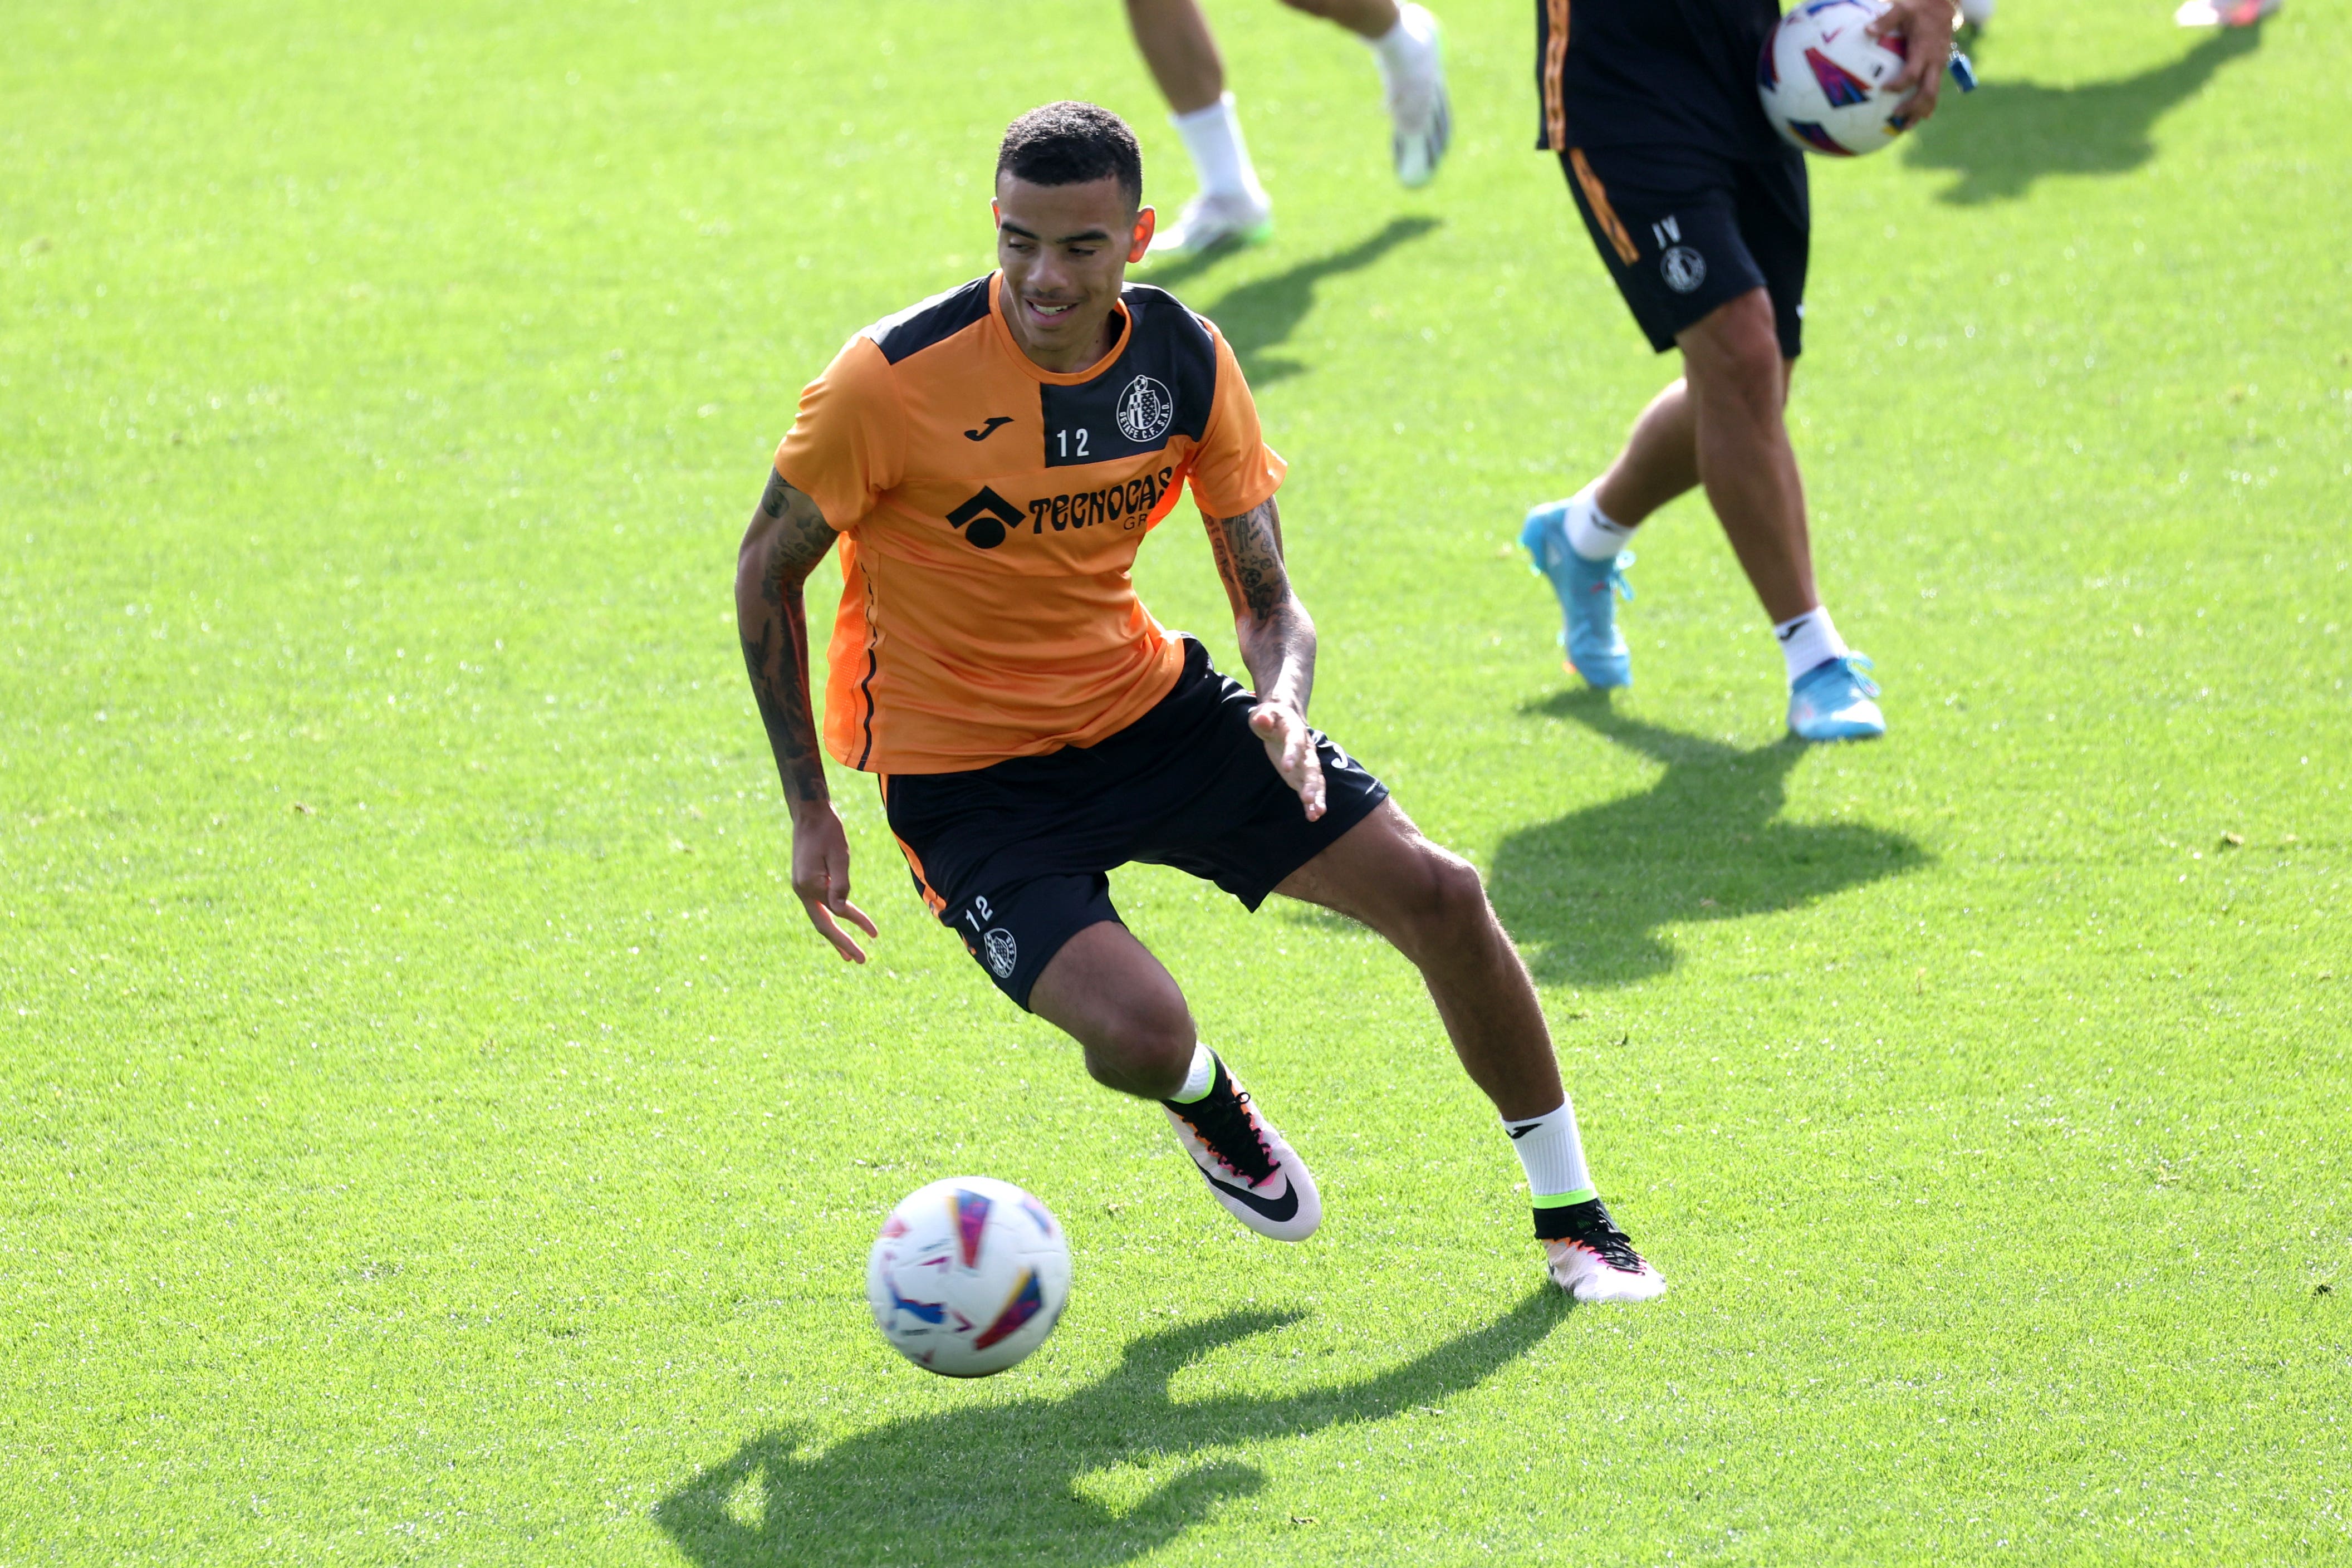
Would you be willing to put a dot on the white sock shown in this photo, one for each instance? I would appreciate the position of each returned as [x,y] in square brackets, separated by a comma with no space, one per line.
[1402,48]
[1221,159]
[1810,639]
[1591,533]
[1197,1081]
[1553,1155]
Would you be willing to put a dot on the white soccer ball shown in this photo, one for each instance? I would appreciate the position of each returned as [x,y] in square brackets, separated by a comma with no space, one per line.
[968,1275]
[1823,78]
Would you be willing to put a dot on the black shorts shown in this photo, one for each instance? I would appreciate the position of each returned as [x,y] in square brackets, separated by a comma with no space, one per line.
[1683,230]
[1012,857]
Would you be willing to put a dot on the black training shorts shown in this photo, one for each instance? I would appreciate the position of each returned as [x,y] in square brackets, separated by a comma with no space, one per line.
[1685,230]
[1014,857]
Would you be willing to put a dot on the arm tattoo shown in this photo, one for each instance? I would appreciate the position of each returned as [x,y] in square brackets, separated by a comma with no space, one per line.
[1248,549]
[786,539]
[1276,633]
[773,500]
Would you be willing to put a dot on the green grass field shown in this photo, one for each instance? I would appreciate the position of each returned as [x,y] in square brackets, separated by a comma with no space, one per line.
[429,1132]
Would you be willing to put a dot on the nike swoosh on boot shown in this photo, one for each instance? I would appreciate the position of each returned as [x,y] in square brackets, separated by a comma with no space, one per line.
[1279,1210]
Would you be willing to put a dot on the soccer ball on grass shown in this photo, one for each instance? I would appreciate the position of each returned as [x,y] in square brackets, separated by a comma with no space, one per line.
[1823,78]
[968,1275]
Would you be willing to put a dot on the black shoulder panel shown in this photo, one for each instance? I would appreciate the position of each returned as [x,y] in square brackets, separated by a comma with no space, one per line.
[935,320]
[1159,388]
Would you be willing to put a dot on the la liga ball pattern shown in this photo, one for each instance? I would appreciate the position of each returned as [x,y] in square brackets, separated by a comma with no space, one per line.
[969,1276]
[1823,79]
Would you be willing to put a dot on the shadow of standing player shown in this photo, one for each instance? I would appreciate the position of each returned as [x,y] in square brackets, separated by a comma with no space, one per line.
[997,1482]
[2007,134]
[1259,316]
[1585,896]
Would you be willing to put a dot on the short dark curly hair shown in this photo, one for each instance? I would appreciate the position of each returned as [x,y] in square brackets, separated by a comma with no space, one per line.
[1070,142]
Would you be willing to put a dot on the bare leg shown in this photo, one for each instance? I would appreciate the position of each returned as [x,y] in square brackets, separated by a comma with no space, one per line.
[1105,991]
[1723,425]
[1738,386]
[1174,39]
[1365,19]
[1432,906]
[1660,461]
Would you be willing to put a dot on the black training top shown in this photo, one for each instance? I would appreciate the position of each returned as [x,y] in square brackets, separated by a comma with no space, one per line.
[1619,73]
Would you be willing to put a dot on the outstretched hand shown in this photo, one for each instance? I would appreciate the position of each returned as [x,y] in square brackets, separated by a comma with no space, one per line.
[1290,746]
[821,878]
[1925,28]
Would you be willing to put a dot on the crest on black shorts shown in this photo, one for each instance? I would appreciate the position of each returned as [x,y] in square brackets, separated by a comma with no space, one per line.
[1145,409]
[1684,268]
[1000,952]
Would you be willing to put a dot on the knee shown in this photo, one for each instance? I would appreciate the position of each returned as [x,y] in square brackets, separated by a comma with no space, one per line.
[1734,354]
[1446,903]
[1145,1046]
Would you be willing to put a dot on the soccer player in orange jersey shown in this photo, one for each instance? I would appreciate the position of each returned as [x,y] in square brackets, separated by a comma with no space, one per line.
[989,462]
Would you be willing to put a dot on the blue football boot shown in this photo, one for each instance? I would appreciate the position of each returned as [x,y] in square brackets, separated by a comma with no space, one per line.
[1831,701]
[1589,591]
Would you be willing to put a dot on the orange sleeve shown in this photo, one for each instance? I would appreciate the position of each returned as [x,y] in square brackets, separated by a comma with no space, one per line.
[847,443]
[1233,469]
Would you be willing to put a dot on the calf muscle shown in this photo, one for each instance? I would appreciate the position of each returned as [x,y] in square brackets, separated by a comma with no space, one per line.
[1432,907]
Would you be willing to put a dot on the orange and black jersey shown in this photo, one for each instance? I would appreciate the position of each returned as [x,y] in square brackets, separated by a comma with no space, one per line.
[989,512]
[1654,73]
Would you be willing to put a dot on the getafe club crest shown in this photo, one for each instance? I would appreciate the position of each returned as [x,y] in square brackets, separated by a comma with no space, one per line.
[1685,268]
[1146,409]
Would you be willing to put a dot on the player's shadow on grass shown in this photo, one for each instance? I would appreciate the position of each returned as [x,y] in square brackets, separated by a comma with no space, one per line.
[1259,317]
[1587,895]
[2007,134]
[999,1481]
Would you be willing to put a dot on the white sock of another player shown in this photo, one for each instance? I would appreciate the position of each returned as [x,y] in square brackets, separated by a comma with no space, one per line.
[1810,639]
[1590,532]
[1404,49]
[1553,1156]
[1197,1083]
[1213,137]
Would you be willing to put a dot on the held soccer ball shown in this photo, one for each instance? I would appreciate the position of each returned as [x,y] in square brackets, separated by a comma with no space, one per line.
[968,1275]
[1823,78]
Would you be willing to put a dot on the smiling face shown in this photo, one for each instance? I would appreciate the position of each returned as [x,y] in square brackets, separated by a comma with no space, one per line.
[1064,250]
